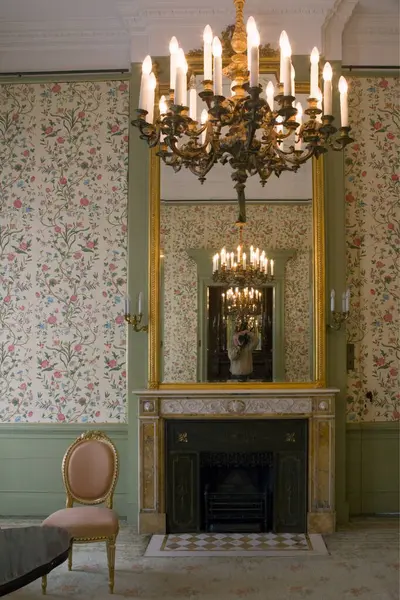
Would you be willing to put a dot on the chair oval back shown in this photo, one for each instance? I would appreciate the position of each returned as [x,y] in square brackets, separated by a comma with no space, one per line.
[90,469]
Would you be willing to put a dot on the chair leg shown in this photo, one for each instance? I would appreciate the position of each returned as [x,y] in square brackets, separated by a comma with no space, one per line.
[111,562]
[44,584]
[70,559]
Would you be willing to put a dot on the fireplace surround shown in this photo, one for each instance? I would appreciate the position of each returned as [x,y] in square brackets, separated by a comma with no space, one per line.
[179,409]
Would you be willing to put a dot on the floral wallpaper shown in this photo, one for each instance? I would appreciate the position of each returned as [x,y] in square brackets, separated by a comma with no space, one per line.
[185,227]
[373,248]
[63,244]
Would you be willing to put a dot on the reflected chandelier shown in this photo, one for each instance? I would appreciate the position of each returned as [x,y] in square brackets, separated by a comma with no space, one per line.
[255,132]
[242,269]
[242,303]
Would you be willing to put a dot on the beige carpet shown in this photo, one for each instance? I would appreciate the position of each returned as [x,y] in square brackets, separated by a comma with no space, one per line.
[363,563]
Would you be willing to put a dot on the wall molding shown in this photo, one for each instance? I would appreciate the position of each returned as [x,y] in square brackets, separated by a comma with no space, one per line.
[30,466]
[372,467]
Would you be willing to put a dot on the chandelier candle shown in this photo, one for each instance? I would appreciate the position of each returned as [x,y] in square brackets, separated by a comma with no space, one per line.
[217,53]
[270,93]
[287,68]
[145,83]
[344,109]
[250,26]
[283,40]
[327,75]
[173,51]
[151,98]
[207,39]
[314,60]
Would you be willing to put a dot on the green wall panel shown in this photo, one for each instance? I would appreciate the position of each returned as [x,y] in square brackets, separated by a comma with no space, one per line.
[30,467]
[373,468]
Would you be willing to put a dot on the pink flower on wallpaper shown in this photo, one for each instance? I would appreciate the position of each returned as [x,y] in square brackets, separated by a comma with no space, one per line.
[114,128]
[78,348]
[63,181]
[52,320]
[119,319]
[384,84]
[60,417]
[22,386]
[123,87]
[92,151]
[56,88]
[57,374]
[81,114]
[17,203]
[90,244]
[57,229]
[11,348]
[388,317]
[10,257]
[73,298]
[44,364]
[84,202]
[60,140]
[7,299]
[112,364]
[23,246]
[26,153]
[45,267]
[48,130]
[395,177]
[112,267]
[77,255]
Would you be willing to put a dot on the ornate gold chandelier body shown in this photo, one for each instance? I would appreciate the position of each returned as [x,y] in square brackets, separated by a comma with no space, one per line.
[254,135]
[242,303]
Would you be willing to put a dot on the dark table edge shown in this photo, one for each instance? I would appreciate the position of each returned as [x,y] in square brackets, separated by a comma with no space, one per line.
[16,584]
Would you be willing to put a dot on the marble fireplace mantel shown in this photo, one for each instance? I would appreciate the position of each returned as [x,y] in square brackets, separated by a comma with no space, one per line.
[316,405]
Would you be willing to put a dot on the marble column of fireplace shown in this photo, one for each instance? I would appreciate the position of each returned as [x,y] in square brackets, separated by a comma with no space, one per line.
[316,405]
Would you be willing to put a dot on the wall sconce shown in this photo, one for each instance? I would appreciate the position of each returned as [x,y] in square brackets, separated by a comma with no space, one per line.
[136,319]
[338,317]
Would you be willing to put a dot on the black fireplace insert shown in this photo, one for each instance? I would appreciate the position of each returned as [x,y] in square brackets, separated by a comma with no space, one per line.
[236,476]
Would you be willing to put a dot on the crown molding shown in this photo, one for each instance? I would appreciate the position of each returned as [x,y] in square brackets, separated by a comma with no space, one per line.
[333,27]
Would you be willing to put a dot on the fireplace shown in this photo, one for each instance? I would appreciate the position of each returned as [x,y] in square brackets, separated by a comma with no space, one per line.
[275,448]
[236,475]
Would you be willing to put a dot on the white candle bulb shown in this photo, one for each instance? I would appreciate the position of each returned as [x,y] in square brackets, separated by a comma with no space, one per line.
[327,75]
[193,99]
[299,120]
[283,39]
[271,262]
[254,40]
[332,300]
[151,97]
[217,53]
[173,51]
[203,120]
[144,84]
[344,109]
[180,82]
[287,68]
[207,39]
[318,118]
[140,303]
[292,81]
[314,59]
[162,105]
[250,26]
[270,92]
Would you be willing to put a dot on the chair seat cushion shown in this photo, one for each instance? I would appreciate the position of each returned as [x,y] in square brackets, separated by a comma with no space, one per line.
[85,521]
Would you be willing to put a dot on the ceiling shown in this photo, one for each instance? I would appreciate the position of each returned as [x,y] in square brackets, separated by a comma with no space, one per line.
[59,35]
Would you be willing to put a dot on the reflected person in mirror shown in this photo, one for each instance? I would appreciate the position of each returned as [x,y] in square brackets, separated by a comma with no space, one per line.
[240,352]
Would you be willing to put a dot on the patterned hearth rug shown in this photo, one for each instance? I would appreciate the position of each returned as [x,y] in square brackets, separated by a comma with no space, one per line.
[236,544]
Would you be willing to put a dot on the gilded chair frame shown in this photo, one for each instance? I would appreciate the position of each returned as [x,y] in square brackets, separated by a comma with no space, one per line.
[268,65]
[106,499]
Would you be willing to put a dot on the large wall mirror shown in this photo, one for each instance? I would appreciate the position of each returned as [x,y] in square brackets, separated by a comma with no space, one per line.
[191,320]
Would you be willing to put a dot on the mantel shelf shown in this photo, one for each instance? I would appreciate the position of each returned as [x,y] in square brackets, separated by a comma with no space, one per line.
[215,392]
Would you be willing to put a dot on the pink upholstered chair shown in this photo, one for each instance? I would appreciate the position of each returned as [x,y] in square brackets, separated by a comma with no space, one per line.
[90,472]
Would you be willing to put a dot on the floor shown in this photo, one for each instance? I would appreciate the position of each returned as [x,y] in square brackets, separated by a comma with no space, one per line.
[363,562]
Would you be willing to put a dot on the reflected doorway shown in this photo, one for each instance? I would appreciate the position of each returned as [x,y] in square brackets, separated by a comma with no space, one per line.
[221,328]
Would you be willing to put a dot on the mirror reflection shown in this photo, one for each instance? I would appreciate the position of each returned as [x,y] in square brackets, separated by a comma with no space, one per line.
[217,331]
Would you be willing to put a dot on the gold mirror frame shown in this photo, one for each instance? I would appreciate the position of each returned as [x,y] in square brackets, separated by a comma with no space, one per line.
[268,65]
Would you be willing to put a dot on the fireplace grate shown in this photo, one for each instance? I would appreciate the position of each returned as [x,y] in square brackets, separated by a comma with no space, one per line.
[246,509]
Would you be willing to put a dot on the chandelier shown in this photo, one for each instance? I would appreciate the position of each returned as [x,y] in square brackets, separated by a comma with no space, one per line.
[241,268]
[256,131]
[242,303]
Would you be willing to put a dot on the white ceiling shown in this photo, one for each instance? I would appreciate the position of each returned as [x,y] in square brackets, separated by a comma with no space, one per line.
[54,35]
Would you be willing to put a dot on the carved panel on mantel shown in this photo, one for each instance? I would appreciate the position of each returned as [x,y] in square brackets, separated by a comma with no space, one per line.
[315,405]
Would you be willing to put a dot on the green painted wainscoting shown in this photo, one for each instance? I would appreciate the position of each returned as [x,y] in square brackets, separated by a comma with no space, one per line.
[372,453]
[30,466]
